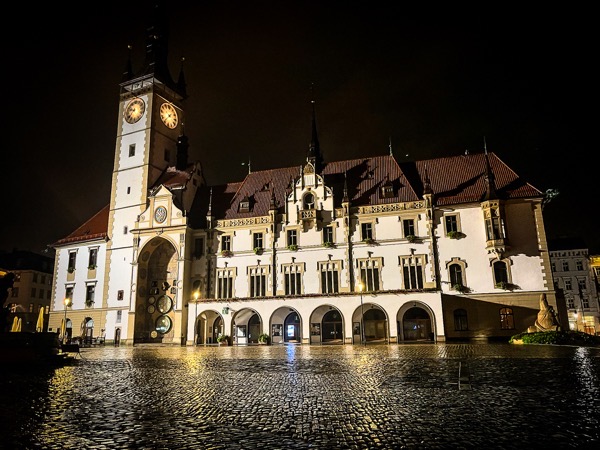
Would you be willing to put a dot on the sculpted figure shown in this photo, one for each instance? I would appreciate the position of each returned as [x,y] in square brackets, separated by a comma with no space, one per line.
[546,318]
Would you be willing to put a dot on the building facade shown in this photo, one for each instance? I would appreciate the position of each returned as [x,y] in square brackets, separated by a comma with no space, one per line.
[32,287]
[575,279]
[364,250]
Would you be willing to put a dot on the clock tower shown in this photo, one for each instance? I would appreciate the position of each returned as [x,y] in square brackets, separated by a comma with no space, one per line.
[150,121]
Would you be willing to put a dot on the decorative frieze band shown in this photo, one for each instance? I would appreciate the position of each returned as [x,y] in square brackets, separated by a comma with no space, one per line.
[391,207]
[247,221]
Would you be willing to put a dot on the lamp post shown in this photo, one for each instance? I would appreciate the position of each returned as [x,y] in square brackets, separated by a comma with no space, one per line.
[361,287]
[196,295]
[67,302]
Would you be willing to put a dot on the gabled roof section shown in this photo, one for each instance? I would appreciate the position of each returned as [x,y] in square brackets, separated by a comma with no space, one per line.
[462,179]
[94,229]
[258,187]
[365,178]
[174,179]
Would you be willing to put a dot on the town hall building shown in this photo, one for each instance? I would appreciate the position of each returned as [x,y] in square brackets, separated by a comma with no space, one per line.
[367,250]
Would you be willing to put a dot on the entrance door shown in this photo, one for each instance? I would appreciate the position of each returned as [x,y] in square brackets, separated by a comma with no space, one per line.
[253,329]
[332,327]
[417,325]
[291,328]
[218,328]
[375,325]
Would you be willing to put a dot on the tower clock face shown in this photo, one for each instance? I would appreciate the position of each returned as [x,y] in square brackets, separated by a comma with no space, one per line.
[134,110]
[168,115]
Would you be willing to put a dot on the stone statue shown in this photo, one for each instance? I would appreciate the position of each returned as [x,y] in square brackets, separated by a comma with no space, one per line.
[546,318]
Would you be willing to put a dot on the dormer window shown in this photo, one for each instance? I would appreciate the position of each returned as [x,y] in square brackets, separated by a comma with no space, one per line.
[308,201]
[244,205]
[387,189]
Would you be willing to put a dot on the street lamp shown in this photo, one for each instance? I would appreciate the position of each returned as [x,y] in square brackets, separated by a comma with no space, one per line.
[360,288]
[196,295]
[67,303]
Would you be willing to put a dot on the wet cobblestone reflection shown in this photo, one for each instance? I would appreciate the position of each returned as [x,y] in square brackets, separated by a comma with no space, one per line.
[301,397]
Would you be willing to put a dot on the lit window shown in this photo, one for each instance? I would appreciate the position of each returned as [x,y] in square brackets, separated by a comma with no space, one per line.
[507,321]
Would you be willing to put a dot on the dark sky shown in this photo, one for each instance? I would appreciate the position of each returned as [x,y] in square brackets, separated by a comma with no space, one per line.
[436,82]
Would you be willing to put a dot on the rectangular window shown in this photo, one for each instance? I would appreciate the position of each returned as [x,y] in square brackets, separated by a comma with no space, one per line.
[257,240]
[90,293]
[93,258]
[366,231]
[292,275]
[412,271]
[570,303]
[460,320]
[408,227]
[582,285]
[198,247]
[120,294]
[292,237]
[553,266]
[125,229]
[128,189]
[226,243]
[579,265]
[451,223]
[41,294]
[369,273]
[330,277]
[43,279]
[507,320]
[568,284]
[565,266]
[225,283]
[494,228]
[119,316]
[258,281]
[131,150]
[72,261]
[328,235]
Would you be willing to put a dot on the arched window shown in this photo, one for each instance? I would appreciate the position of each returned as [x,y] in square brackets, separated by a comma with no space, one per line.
[309,201]
[456,274]
[460,320]
[507,320]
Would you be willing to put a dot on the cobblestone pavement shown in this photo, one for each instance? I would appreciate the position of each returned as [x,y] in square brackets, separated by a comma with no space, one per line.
[309,397]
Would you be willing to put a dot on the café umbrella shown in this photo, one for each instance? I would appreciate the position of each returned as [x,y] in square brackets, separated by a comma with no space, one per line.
[15,324]
[40,322]
[19,324]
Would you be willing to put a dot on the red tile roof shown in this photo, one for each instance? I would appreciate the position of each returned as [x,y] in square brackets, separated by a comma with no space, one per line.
[453,180]
[94,229]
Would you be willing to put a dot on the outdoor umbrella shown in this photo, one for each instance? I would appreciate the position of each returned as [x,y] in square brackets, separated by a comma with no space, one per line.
[40,322]
[15,324]
[19,324]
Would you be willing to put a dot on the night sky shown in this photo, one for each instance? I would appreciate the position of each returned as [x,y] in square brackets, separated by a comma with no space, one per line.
[437,83]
